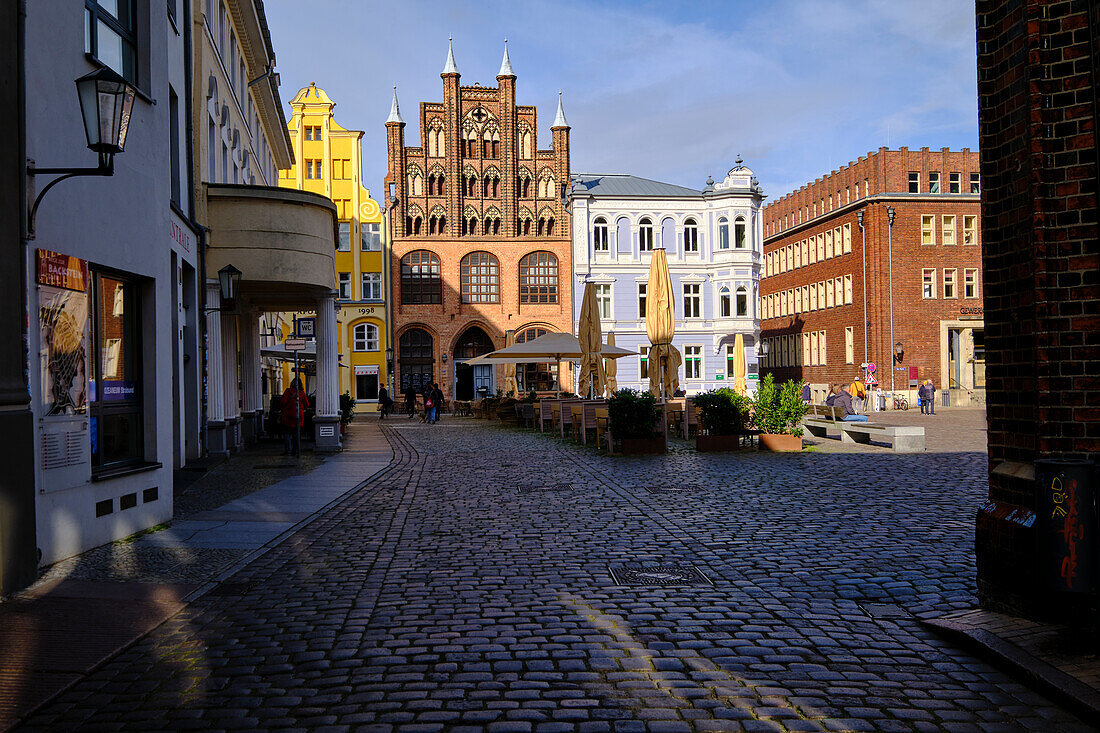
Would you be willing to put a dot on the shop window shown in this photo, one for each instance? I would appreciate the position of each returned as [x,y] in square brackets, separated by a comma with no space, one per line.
[366,387]
[115,394]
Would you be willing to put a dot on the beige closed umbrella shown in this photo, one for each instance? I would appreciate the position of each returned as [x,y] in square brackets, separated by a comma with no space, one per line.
[740,369]
[591,341]
[509,372]
[660,326]
[610,369]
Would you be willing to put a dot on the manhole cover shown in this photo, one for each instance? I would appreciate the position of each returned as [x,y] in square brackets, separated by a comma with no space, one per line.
[545,487]
[672,489]
[883,610]
[666,575]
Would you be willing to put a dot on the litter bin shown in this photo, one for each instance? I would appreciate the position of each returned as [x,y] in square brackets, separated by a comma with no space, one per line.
[1068,523]
[945,398]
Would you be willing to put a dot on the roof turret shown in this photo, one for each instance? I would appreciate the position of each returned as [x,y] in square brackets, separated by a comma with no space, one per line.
[506,64]
[559,118]
[450,68]
[395,112]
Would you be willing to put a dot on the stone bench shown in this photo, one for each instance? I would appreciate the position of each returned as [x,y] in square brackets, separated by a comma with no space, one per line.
[902,438]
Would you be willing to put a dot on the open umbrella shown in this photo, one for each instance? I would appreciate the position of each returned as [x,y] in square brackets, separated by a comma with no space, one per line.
[610,369]
[509,377]
[591,343]
[548,347]
[660,326]
[740,370]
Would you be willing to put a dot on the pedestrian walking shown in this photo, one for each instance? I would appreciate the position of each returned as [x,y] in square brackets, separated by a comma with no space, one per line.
[922,397]
[858,393]
[805,393]
[428,403]
[384,403]
[927,396]
[293,416]
[437,398]
[410,400]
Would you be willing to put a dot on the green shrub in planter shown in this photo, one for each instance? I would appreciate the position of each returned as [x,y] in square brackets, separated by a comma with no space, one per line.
[347,408]
[632,414]
[778,409]
[722,411]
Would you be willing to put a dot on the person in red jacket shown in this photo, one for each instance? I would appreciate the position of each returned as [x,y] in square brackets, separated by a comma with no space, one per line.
[293,416]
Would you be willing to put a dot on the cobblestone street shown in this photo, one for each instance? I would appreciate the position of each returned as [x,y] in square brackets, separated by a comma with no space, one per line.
[471,585]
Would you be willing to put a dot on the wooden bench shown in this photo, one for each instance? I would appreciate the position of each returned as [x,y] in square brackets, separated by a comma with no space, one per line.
[902,438]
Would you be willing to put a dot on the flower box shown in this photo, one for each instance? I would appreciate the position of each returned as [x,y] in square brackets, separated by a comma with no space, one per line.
[643,446]
[780,443]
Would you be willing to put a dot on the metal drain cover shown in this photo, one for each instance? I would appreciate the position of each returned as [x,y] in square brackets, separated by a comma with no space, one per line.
[664,575]
[545,487]
[883,610]
[672,489]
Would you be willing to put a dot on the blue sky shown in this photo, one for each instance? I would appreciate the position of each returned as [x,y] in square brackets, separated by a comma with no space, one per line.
[667,90]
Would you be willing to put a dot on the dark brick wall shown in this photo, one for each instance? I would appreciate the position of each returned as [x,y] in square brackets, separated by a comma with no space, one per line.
[1037,113]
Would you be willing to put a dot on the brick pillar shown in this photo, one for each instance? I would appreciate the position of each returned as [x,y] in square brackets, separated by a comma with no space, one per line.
[1037,117]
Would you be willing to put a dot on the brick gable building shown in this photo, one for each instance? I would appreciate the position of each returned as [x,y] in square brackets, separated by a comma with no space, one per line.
[479,230]
[827,246]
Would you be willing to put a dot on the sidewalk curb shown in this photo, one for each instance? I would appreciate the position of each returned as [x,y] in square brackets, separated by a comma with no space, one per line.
[1047,679]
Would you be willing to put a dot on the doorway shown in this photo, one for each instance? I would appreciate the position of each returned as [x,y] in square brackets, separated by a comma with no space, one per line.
[475,381]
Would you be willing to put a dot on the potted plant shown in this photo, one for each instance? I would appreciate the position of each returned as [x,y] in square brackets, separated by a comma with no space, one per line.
[778,413]
[632,419]
[347,411]
[723,414]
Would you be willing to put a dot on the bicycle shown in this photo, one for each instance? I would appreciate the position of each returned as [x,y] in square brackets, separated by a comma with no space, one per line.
[900,402]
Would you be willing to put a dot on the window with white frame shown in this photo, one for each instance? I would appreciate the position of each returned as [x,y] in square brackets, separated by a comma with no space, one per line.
[806,349]
[948,229]
[928,283]
[370,237]
[933,182]
[828,244]
[815,350]
[603,299]
[643,362]
[365,337]
[949,277]
[954,182]
[645,235]
[692,301]
[820,238]
[740,240]
[823,340]
[723,233]
[914,181]
[975,185]
[742,301]
[829,300]
[805,253]
[849,345]
[599,235]
[641,300]
[693,362]
[970,230]
[927,229]
[691,236]
[724,302]
[813,297]
[797,256]
[343,243]
[731,361]
[344,281]
[372,286]
[847,290]
[847,238]
[970,283]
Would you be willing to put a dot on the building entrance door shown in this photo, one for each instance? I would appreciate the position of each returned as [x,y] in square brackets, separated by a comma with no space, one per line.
[473,342]
[966,358]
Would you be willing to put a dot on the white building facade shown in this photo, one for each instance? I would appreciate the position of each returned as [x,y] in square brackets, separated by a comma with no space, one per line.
[713,240]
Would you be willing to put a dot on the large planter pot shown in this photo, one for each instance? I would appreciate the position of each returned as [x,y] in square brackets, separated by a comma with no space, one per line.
[780,443]
[643,446]
[716,443]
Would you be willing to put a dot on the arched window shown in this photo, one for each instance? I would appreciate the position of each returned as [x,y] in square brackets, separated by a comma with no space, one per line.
[599,234]
[645,234]
[739,232]
[691,236]
[668,234]
[547,188]
[525,145]
[538,278]
[416,357]
[436,147]
[523,223]
[491,185]
[440,143]
[724,302]
[480,278]
[490,142]
[420,278]
[491,225]
[365,337]
[723,233]
[538,377]
[742,302]
[437,224]
[469,140]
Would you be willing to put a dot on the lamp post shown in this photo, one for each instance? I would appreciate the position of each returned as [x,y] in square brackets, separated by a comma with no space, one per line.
[229,285]
[890,214]
[863,233]
[106,101]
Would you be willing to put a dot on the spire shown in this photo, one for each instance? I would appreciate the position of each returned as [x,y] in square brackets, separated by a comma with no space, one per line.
[395,113]
[450,68]
[506,64]
[559,118]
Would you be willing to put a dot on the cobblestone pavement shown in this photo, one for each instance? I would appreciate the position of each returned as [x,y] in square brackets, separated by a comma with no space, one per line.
[469,587]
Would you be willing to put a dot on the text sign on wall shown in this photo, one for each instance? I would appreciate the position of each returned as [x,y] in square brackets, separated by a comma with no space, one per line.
[62,271]
[366,369]
[1067,522]
[180,234]
[307,327]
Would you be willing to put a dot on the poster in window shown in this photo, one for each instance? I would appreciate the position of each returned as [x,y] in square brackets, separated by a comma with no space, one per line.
[63,350]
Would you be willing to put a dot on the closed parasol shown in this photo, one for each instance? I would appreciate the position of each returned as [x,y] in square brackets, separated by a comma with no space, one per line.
[591,342]
[740,369]
[610,369]
[660,326]
[509,370]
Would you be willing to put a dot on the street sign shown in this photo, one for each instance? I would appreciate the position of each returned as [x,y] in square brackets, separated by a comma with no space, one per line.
[306,327]
[871,366]
[871,381]
[295,344]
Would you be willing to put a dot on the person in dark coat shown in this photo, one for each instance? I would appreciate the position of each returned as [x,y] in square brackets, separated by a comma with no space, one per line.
[410,401]
[437,401]
[843,400]
[805,393]
[428,403]
[384,403]
[293,416]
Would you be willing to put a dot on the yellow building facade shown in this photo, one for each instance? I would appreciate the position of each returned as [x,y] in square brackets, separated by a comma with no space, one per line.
[328,161]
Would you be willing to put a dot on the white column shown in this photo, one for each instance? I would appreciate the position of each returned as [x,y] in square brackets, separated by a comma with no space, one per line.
[215,398]
[251,396]
[328,384]
[230,386]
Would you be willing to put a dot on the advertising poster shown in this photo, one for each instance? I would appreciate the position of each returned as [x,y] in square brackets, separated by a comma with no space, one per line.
[63,333]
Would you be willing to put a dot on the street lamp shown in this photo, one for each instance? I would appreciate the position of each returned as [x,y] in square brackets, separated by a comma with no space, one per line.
[890,214]
[106,101]
[863,234]
[229,281]
[899,352]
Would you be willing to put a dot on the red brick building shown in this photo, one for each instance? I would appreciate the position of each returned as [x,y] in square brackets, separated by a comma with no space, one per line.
[480,236]
[1037,106]
[827,246]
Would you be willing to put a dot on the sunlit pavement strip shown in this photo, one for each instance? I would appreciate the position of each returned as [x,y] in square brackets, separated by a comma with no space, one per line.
[439,598]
